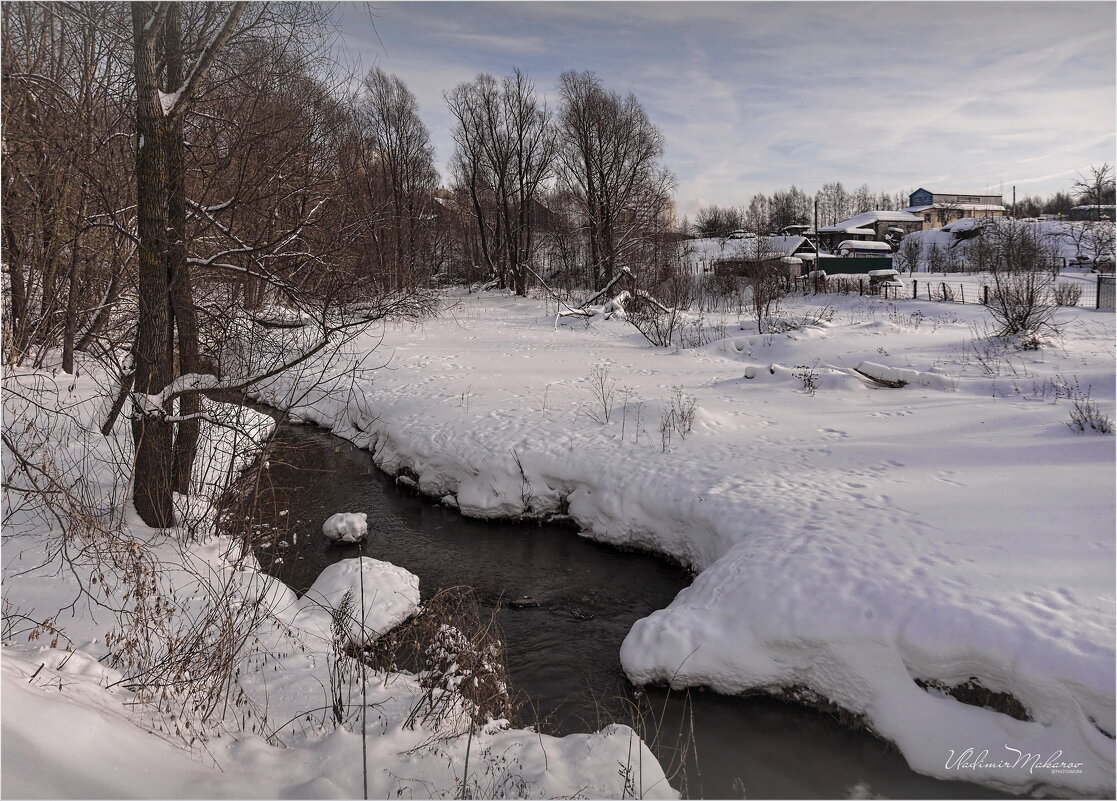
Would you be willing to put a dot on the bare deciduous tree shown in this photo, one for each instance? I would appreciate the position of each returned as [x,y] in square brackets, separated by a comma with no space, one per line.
[255,204]
[1097,186]
[909,253]
[504,153]
[395,179]
[609,155]
[712,221]
[1020,300]
[66,179]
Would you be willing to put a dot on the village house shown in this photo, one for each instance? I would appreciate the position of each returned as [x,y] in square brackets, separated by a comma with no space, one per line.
[870,226]
[792,256]
[939,208]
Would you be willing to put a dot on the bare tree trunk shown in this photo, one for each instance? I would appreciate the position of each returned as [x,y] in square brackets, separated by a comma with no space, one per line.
[181,288]
[152,434]
[70,321]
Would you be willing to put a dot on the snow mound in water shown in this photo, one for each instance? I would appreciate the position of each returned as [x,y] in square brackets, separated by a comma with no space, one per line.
[346,527]
[389,596]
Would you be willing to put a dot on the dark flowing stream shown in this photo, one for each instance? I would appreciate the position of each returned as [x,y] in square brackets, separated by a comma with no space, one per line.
[564,653]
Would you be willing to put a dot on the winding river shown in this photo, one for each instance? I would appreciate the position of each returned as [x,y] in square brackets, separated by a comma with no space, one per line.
[563,653]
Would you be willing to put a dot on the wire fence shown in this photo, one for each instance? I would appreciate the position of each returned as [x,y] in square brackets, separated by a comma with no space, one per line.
[1085,291]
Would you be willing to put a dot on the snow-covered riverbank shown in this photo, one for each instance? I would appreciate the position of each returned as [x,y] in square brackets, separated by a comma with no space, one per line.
[290,707]
[851,539]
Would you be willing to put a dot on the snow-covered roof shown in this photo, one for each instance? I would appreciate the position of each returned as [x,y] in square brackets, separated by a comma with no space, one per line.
[785,245]
[1094,206]
[964,224]
[834,229]
[960,206]
[868,217]
[983,193]
[882,246]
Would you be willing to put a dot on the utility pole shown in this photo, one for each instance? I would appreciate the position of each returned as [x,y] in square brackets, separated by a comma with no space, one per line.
[816,242]
[1014,201]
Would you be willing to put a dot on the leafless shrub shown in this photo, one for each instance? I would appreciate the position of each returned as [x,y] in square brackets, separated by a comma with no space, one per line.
[1067,294]
[676,417]
[765,283]
[841,285]
[665,726]
[180,644]
[936,258]
[908,254]
[458,653]
[656,321]
[603,393]
[720,290]
[952,261]
[809,376]
[944,292]
[1019,300]
[913,321]
[696,333]
[991,351]
[1085,414]
[823,314]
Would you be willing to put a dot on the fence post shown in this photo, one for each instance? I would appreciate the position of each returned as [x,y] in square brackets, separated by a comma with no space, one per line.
[860,286]
[1097,293]
[985,294]
[914,288]
[962,289]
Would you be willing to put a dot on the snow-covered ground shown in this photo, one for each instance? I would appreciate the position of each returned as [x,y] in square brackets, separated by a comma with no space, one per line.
[851,539]
[94,708]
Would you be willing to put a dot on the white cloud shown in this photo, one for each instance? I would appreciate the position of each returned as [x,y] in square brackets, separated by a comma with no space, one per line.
[753,97]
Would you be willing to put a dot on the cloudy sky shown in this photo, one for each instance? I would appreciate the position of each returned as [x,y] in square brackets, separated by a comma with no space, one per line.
[756,96]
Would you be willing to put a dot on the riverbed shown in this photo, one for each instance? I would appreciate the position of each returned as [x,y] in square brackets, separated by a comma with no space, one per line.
[563,653]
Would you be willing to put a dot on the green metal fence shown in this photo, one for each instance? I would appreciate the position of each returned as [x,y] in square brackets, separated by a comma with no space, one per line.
[854,265]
